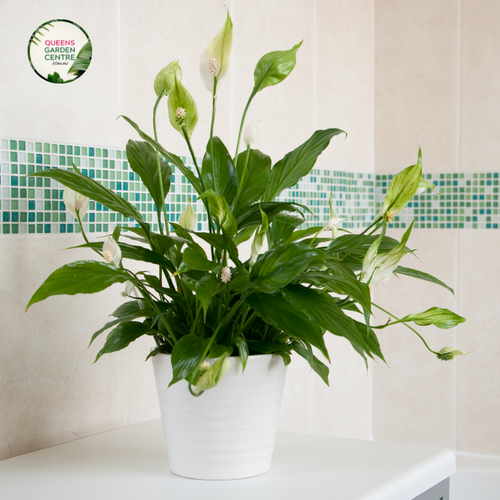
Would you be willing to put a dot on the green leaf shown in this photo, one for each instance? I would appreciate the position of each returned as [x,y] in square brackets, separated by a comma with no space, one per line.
[274,67]
[203,286]
[322,310]
[303,233]
[421,276]
[186,355]
[84,276]
[82,60]
[306,352]
[242,346]
[123,335]
[298,163]
[92,189]
[442,318]
[278,312]
[256,179]
[251,216]
[282,227]
[218,172]
[280,265]
[171,158]
[194,258]
[144,162]
[342,284]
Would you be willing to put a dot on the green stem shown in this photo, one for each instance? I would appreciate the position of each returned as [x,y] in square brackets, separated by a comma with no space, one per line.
[407,325]
[243,177]
[160,177]
[83,232]
[222,323]
[150,300]
[214,98]
[252,95]
[205,201]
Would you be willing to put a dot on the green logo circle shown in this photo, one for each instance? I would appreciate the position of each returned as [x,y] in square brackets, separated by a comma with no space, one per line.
[59,51]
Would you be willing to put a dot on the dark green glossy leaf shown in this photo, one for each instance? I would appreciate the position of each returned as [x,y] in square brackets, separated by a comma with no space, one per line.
[186,355]
[274,67]
[421,276]
[144,161]
[278,312]
[256,176]
[251,216]
[218,172]
[282,228]
[194,258]
[242,346]
[85,276]
[298,163]
[280,265]
[92,189]
[125,333]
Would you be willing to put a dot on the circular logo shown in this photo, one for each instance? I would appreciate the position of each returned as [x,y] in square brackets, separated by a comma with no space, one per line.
[59,51]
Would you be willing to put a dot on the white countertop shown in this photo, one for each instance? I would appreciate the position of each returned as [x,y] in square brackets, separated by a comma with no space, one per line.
[130,463]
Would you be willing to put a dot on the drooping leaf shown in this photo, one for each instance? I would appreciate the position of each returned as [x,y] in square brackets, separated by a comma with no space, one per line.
[85,276]
[218,172]
[92,189]
[186,354]
[125,333]
[277,311]
[322,310]
[414,273]
[144,162]
[242,346]
[304,349]
[274,67]
[298,163]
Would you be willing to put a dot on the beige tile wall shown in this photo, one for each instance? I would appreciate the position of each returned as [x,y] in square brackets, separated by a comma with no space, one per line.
[436,85]
[50,390]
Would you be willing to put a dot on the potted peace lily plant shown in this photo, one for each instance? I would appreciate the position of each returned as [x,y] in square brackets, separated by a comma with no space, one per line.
[207,309]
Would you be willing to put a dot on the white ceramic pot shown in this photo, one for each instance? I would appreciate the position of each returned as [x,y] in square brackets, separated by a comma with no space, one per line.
[229,431]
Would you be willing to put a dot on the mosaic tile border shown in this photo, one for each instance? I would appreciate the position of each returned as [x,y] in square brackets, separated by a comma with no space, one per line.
[30,205]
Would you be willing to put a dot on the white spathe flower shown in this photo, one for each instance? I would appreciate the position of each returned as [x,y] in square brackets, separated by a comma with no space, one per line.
[332,224]
[378,267]
[75,202]
[448,353]
[111,251]
[187,219]
[250,133]
[214,61]
[129,289]
[213,374]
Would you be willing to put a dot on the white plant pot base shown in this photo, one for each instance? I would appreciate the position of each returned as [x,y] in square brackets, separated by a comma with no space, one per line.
[229,431]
